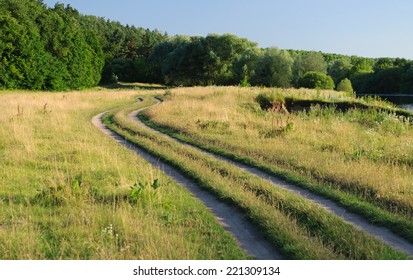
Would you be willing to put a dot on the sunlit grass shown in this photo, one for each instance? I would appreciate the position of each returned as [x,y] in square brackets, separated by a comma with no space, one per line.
[298,228]
[368,154]
[64,184]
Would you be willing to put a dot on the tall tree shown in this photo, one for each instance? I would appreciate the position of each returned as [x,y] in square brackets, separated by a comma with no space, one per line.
[340,69]
[273,69]
[308,62]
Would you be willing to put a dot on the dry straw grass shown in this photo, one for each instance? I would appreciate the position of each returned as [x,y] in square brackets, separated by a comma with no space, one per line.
[297,227]
[64,189]
[367,154]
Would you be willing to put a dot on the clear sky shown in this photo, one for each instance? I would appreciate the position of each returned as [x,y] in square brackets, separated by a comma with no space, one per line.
[370,28]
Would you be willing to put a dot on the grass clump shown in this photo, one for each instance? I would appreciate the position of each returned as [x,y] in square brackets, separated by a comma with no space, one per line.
[214,124]
[267,101]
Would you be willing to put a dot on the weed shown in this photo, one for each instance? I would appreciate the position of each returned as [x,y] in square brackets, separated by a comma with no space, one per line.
[137,189]
[278,128]
[326,113]
[168,93]
[61,195]
[109,233]
[212,124]
[380,120]
[45,111]
[20,110]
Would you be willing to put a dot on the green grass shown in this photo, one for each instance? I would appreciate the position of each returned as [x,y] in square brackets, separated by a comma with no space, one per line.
[65,189]
[300,229]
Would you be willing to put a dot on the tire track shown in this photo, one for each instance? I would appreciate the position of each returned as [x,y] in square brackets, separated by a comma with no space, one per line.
[381,233]
[232,219]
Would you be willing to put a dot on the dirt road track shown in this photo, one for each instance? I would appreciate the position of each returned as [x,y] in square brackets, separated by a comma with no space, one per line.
[380,233]
[232,219]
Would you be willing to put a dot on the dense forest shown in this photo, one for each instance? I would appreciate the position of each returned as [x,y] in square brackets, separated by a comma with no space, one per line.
[59,49]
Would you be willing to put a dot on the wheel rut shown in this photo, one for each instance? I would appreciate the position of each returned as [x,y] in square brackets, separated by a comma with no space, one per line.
[232,219]
[381,233]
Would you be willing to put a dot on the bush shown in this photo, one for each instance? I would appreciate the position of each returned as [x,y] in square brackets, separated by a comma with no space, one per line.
[346,86]
[316,80]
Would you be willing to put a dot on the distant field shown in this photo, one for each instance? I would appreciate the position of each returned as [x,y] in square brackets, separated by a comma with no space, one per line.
[65,188]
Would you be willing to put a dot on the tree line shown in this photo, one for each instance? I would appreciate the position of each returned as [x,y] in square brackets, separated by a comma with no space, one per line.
[58,49]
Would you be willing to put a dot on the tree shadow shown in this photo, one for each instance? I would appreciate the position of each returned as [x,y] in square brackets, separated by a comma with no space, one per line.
[133,86]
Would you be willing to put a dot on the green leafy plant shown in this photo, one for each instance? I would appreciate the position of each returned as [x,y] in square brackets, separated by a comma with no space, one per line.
[62,194]
[138,189]
[155,185]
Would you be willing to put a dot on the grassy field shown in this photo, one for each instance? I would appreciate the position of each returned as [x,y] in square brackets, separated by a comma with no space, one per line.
[65,188]
[298,228]
[70,192]
[362,159]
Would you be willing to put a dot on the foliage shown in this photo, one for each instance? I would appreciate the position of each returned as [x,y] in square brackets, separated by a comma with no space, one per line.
[345,85]
[273,69]
[340,69]
[203,61]
[307,62]
[316,80]
[59,49]
[138,189]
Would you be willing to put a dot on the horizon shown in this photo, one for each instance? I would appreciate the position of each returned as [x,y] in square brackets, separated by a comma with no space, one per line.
[303,26]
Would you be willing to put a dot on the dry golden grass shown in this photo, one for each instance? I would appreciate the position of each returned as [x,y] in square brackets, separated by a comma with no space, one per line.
[370,159]
[299,228]
[64,189]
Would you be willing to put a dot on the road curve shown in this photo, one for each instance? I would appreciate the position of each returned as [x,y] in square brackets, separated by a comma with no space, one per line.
[233,220]
[381,233]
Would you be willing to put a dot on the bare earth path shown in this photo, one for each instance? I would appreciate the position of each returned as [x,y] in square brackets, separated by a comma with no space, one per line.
[232,219]
[380,233]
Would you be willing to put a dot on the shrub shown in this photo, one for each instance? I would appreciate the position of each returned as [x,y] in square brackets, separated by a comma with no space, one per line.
[346,86]
[316,80]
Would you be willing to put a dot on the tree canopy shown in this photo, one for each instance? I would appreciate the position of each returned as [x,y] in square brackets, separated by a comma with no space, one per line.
[316,80]
[59,49]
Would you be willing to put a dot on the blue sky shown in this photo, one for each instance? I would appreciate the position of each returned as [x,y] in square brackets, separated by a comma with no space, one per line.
[371,28]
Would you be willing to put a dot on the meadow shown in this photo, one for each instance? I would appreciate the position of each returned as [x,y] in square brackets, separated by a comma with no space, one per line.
[66,189]
[359,158]
[298,228]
